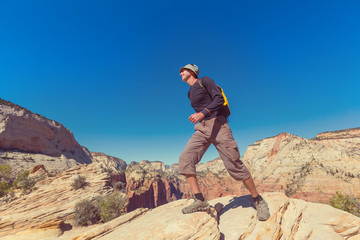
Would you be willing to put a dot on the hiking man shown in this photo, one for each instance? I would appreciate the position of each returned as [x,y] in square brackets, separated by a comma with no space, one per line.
[211,127]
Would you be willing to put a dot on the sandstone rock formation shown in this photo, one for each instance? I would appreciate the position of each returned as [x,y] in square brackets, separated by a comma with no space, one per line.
[107,161]
[148,186]
[312,170]
[165,222]
[39,172]
[290,219]
[308,169]
[28,139]
[51,205]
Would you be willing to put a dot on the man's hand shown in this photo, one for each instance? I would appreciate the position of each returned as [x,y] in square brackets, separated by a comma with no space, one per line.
[196,117]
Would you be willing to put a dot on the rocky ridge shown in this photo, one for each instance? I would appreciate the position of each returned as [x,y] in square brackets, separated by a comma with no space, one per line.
[304,168]
[107,161]
[296,166]
[28,139]
[299,167]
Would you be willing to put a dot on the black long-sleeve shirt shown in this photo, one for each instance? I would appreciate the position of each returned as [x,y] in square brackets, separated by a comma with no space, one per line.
[207,101]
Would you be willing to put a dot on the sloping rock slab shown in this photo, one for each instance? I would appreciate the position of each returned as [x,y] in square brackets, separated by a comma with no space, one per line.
[290,219]
[167,222]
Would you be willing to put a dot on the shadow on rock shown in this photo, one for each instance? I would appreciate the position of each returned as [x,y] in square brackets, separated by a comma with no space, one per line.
[243,201]
[65,227]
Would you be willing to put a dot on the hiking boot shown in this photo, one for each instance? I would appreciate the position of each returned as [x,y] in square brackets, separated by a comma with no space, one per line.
[196,206]
[262,210]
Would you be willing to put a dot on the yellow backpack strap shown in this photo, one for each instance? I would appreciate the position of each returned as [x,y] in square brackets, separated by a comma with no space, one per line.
[225,98]
[203,86]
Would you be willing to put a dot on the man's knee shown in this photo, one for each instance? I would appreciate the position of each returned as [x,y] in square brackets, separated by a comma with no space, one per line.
[237,170]
[186,165]
[240,175]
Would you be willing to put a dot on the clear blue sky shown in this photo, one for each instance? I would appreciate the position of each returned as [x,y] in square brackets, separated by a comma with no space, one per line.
[108,70]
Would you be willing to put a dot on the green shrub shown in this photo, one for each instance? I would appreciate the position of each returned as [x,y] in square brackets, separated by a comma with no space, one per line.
[4,188]
[111,206]
[79,182]
[24,182]
[86,213]
[119,186]
[21,177]
[27,184]
[106,169]
[105,209]
[5,179]
[5,171]
[346,203]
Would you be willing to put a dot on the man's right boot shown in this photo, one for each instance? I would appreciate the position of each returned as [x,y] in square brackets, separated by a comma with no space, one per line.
[196,206]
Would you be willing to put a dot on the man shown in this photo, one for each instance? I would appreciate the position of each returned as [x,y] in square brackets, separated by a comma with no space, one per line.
[211,127]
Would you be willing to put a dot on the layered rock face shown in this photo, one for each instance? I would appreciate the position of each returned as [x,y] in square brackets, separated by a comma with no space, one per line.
[51,205]
[107,161]
[308,169]
[348,134]
[148,186]
[28,139]
[230,218]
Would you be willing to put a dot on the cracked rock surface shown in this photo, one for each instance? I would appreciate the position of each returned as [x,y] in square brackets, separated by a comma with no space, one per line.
[290,219]
[235,219]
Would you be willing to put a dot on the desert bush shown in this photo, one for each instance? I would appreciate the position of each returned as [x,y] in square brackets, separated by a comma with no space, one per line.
[106,169]
[111,206]
[86,213]
[4,188]
[27,184]
[119,186]
[24,182]
[346,203]
[20,177]
[5,171]
[5,179]
[79,182]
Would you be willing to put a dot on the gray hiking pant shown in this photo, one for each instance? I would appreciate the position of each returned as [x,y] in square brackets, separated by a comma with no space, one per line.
[213,131]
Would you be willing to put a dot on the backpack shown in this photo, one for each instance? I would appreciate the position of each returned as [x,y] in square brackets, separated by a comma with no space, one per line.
[225,109]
